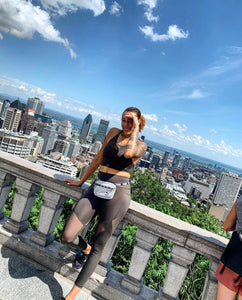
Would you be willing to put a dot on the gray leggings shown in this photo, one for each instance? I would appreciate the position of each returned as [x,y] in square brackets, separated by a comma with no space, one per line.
[110,213]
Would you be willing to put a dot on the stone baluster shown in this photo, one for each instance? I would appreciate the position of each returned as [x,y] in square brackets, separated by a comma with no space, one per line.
[5,188]
[180,261]
[23,201]
[210,287]
[105,261]
[50,212]
[145,242]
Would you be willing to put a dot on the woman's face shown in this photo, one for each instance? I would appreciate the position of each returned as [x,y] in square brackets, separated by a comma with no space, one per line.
[127,122]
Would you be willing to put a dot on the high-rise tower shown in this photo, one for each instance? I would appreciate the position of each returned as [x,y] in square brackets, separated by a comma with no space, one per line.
[86,127]
[12,119]
[102,130]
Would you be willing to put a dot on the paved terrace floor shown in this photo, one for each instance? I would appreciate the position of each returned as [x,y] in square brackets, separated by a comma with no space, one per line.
[21,279]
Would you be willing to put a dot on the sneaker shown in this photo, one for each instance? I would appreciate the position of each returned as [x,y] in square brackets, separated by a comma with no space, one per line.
[80,260]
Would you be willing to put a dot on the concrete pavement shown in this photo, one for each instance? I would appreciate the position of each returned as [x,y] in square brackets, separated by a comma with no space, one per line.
[22,279]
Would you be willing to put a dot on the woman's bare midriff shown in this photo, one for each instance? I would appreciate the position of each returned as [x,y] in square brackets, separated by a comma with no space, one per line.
[114,171]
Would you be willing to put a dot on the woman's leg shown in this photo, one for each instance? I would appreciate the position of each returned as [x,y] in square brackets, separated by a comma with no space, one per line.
[223,293]
[110,215]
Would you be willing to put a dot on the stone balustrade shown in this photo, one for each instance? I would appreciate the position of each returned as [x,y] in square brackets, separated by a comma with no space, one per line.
[106,283]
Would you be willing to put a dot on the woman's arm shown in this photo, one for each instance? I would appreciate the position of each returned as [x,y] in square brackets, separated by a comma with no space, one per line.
[230,221]
[95,162]
[135,148]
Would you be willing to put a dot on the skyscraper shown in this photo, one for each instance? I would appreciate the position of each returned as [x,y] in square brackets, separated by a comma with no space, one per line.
[227,189]
[36,104]
[155,161]
[102,130]
[49,135]
[28,116]
[164,162]
[176,161]
[86,127]
[12,119]
[186,163]
[65,128]
[5,105]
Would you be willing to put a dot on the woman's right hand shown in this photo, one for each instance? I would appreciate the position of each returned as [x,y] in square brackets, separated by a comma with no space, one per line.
[72,182]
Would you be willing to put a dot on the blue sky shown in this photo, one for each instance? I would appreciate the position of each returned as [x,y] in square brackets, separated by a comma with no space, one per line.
[180,62]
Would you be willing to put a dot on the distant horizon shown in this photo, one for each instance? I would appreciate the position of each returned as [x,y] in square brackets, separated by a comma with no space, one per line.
[239,170]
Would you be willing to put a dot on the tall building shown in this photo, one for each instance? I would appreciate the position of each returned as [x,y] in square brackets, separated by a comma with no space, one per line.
[155,161]
[12,119]
[227,189]
[74,149]
[28,116]
[1,105]
[17,104]
[61,146]
[96,147]
[5,105]
[50,136]
[65,128]
[164,162]
[36,104]
[186,163]
[102,130]
[176,161]
[86,127]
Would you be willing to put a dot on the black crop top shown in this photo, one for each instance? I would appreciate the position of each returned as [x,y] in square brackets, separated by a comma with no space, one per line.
[113,156]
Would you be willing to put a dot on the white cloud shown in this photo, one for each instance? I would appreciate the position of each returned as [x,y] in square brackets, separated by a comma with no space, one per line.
[173,33]
[151,117]
[180,128]
[62,7]
[196,94]
[1,36]
[149,6]
[115,9]
[214,130]
[23,88]
[22,19]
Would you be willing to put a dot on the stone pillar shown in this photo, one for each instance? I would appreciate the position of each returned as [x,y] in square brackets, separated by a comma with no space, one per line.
[145,241]
[23,201]
[181,259]
[5,188]
[105,261]
[210,287]
[49,214]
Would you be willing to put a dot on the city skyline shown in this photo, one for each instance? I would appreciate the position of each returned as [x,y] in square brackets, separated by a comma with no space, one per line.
[179,62]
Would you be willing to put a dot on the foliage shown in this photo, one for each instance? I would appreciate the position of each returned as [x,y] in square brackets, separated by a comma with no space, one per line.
[147,190]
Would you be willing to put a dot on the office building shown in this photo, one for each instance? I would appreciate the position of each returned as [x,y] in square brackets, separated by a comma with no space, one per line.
[58,165]
[1,105]
[186,163]
[61,146]
[86,127]
[19,105]
[28,116]
[195,187]
[164,162]
[50,136]
[5,105]
[96,147]
[35,104]
[176,161]
[102,131]
[227,189]
[12,119]
[155,161]
[15,143]
[65,129]
[74,148]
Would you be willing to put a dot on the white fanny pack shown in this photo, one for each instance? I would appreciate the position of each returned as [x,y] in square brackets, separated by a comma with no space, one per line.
[104,189]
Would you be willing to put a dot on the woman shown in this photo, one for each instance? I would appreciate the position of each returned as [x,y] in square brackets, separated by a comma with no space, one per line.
[120,151]
[229,271]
